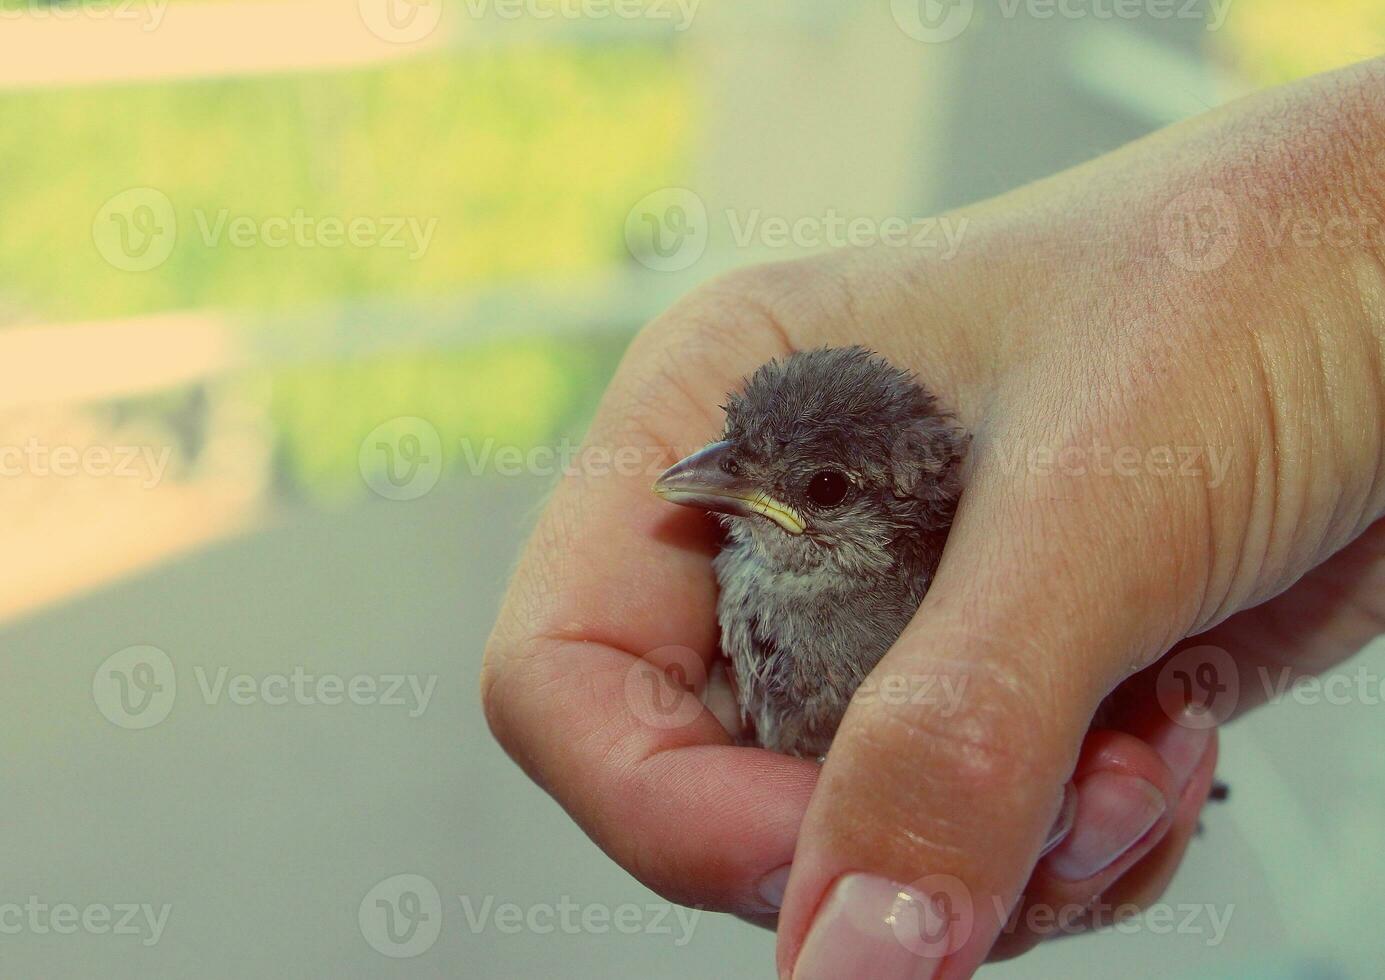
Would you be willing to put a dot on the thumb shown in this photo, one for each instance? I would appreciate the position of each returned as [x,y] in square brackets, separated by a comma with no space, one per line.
[949,768]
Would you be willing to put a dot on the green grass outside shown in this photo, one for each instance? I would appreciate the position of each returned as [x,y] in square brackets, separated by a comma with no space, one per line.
[527,158]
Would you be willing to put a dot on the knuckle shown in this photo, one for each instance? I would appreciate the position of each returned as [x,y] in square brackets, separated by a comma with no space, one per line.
[763,284]
[497,668]
[681,365]
[989,747]
[712,316]
[720,329]
[491,703]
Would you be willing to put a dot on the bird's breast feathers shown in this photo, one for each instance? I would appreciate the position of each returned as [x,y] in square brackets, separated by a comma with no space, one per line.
[800,644]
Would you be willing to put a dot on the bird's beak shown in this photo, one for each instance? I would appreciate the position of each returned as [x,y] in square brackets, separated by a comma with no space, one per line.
[701,481]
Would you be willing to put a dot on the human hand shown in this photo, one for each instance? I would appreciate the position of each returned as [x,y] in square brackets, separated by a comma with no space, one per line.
[1073,319]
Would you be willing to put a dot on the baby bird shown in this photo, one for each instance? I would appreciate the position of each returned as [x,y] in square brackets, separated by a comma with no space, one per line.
[836,478]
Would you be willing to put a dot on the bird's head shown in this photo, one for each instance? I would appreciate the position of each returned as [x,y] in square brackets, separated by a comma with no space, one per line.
[829,457]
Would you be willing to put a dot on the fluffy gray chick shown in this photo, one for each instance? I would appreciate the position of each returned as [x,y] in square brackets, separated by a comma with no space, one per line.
[836,478]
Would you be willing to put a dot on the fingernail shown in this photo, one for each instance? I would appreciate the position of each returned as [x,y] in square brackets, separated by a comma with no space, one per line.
[1061,826]
[1113,812]
[772,886]
[871,927]
[1183,744]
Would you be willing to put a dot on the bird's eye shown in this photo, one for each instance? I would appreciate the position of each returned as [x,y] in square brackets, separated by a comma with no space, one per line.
[827,488]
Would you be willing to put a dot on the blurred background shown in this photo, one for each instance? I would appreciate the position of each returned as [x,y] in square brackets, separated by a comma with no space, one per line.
[287,288]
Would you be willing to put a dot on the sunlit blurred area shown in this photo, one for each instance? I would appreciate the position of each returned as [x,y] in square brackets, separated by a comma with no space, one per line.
[177,274]
[277,280]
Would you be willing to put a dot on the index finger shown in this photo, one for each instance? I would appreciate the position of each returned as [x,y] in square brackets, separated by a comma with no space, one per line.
[614,593]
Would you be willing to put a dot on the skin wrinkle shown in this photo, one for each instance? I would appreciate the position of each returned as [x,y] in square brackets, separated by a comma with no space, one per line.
[1339,450]
[496,704]
[532,587]
[1359,124]
[1239,518]
[1287,451]
[964,378]
[670,377]
[1370,294]
[701,855]
[1258,531]
[549,611]
[1209,577]
[1141,370]
[698,347]
[1227,593]
[1324,455]
[845,295]
[958,364]
[1311,627]
[1298,439]
[783,344]
[1041,488]
[986,597]
[1352,129]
